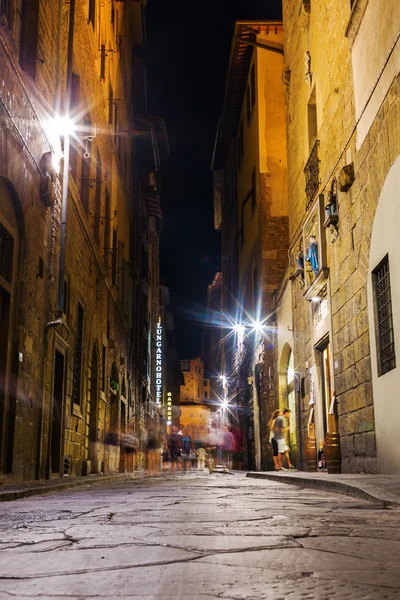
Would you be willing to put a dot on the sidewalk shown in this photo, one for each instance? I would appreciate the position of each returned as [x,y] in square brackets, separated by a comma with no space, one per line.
[375,488]
[34,488]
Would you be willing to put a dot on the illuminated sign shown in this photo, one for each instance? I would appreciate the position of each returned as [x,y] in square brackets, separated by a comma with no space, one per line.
[159,360]
[169,408]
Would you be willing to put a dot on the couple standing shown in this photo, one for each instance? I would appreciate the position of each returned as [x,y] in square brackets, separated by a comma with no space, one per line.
[279,425]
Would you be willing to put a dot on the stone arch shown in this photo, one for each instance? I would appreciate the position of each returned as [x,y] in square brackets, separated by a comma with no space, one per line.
[12,233]
[384,242]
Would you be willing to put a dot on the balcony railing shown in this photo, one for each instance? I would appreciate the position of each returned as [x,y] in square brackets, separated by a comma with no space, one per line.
[311,172]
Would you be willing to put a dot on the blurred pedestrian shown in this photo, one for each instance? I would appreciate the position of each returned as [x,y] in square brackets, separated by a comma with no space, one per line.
[129,445]
[153,452]
[279,440]
[286,415]
[274,443]
[201,458]
[174,443]
[227,448]
[212,444]
[186,445]
[193,458]
[237,454]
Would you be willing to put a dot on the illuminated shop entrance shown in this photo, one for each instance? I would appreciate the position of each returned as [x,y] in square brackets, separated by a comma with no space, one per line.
[324,356]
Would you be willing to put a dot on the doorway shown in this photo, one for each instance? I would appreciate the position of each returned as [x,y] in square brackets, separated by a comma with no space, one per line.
[326,385]
[93,414]
[4,333]
[122,465]
[57,414]
[291,402]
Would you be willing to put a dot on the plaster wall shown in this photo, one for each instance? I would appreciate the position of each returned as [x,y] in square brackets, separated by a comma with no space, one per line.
[378,31]
[385,240]
[272,122]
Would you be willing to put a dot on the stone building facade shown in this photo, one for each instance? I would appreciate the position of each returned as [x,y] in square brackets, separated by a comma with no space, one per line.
[74,258]
[250,176]
[343,132]
[327,348]
[194,382]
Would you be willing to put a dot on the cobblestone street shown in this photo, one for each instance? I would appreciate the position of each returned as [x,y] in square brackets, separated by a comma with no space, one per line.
[198,536]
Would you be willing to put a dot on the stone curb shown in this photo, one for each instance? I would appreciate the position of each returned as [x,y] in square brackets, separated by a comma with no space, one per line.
[325,484]
[45,488]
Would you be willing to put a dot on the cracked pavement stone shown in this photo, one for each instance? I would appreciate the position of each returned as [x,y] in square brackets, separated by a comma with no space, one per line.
[198,537]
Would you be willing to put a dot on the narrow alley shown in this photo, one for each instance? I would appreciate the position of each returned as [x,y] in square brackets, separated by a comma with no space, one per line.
[198,536]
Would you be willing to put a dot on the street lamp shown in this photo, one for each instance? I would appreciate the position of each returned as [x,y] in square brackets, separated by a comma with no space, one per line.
[258,326]
[238,328]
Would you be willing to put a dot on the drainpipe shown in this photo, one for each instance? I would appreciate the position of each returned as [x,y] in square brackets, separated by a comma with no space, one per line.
[47,327]
[64,197]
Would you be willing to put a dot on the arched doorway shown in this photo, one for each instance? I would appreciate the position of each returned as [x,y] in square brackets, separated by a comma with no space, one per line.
[93,413]
[9,256]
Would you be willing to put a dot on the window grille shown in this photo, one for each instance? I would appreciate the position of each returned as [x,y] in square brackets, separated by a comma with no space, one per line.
[384,318]
[311,172]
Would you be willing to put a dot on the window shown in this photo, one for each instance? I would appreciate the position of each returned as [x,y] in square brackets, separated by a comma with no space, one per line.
[120,269]
[253,85]
[97,213]
[240,144]
[206,395]
[255,289]
[92,11]
[75,99]
[65,306]
[384,317]
[312,120]
[6,254]
[114,264]
[110,105]
[253,190]
[6,9]
[113,13]
[29,20]
[115,123]
[77,372]
[248,105]
[85,175]
[241,231]
[107,230]
[102,61]
[103,369]
[185,365]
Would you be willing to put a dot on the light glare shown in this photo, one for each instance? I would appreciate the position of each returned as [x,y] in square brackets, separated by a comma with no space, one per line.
[63,125]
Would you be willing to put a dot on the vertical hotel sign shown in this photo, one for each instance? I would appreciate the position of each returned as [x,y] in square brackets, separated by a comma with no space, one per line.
[159,360]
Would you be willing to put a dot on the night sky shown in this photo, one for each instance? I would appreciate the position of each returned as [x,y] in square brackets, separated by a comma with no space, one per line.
[189,43]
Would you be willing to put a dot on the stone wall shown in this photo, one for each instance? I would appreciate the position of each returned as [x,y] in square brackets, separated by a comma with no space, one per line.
[24,115]
[322,32]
